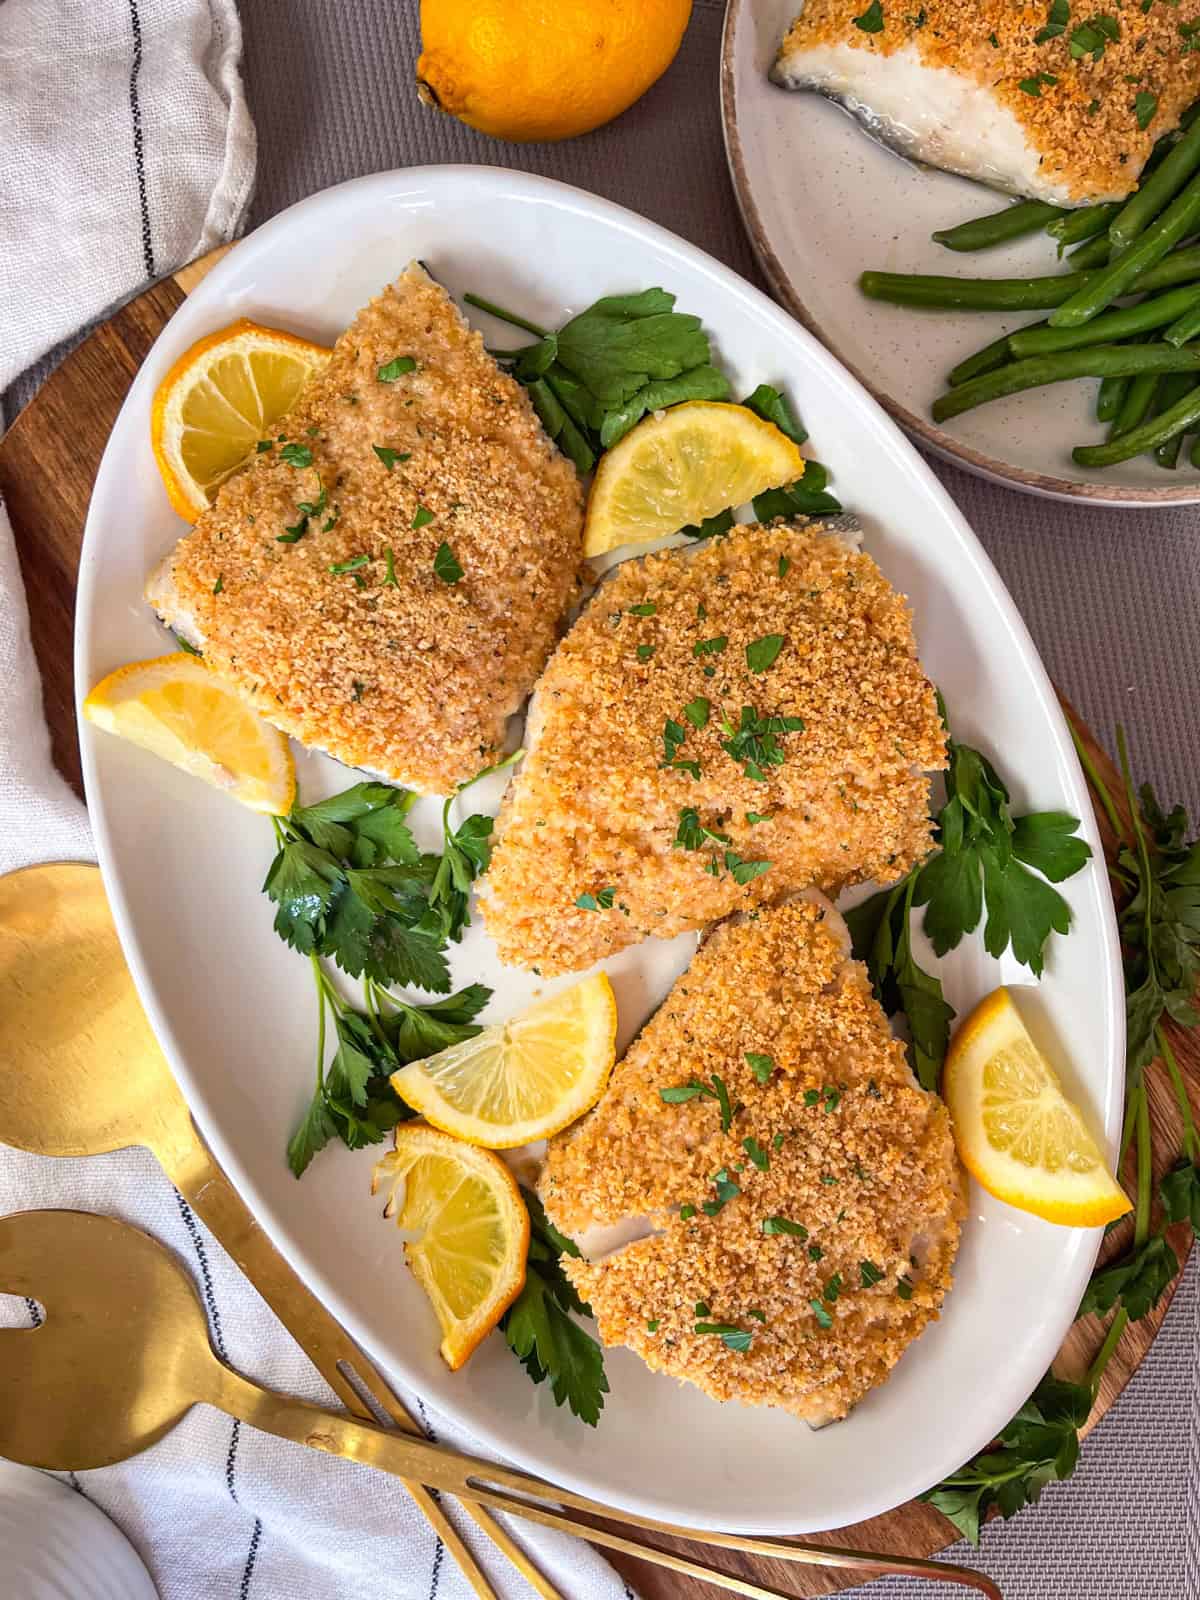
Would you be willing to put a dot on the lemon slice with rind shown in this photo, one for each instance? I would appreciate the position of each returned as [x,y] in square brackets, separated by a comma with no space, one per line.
[1016,1130]
[470,1228]
[220,398]
[681,465]
[179,709]
[523,1079]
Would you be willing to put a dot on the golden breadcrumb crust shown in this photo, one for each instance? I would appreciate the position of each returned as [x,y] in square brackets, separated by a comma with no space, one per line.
[594,809]
[1083,123]
[869,1170]
[391,668]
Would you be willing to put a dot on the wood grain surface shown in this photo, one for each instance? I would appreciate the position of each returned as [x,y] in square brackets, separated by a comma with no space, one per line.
[48,462]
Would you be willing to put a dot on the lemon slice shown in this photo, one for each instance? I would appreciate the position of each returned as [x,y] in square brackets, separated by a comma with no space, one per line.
[682,465]
[181,710]
[523,1079]
[1015,1129]
[471,1228]
[218,400]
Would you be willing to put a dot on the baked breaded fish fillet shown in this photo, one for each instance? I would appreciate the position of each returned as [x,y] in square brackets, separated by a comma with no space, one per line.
[401,620]
[724,723]
[1049,101]
[806,1206]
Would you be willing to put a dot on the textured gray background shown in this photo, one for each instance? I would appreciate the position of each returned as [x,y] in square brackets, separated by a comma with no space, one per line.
[1112,599]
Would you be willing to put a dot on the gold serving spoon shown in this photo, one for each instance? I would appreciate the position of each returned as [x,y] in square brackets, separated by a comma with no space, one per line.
[84,1075]
[124,1354]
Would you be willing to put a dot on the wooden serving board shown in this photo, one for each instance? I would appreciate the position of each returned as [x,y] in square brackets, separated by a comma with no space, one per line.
[48,463]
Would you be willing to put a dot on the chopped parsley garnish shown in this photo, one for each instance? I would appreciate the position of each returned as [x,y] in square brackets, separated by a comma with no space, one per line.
[731,1336]
[444,564]
[871,20]
[339,568]
[263,445]
[831,1097]
[795,1230]
[396,368]
[762,653]
[753,741]
[828,1178]
[292,532]
[904,1288]
[1144,108]
[710,647]
[602,900]
[1093,37]
[761,1066]
[674,734]
[723,1103]
[678,1093]
[726,1189]
[1033,86]
[777,1142]
[422,517]
[644,652]
[697,710]
[390,575]
[186,646]
[389,457]
[812,1097]
[220,583]
[822,1316]
[756,1153]
[744,872]
[755,817]
[691,835]
[646,609]
[758,1314]
[815,1253]
[869,1274]
[832,1289]
[784,566]
[702,1309]
[296,455]
[1056,23]
[686,1213]
[652,1327]
[358,689]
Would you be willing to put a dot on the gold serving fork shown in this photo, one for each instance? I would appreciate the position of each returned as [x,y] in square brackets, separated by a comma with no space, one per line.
[124,1354]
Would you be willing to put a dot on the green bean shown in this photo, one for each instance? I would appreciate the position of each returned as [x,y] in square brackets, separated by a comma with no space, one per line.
[1194,453]
[987,359]
[1139,398]
[999,226]
[1154,312]
[1109,398]
[1180,218]
[1176,419]
[1073,226]
[1157,191]
[1186,327]
[1171,389]
[1090,255]
[1102,361]
[1013,294]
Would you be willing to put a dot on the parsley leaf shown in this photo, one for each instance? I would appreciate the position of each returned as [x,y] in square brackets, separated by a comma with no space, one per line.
[797,1230]
[730,1335]
[602,900]
[753,741]
[389,457]
[770,404]
[744,872]
[869,1274]
[296,455]
[696,711]
[444,564]
[871,20]
[726,1189]
[1179,1192]
[1137,1280]
[709,527]
[981,863]
[762,653]
[806,497]
[880,937]
[1093,37]
[1039,1446]
[396,368]
[1056,23]
[539,1330]
[1145,107]
[761,1066]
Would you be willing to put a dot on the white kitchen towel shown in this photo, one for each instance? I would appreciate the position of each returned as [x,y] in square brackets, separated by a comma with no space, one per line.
[126,149]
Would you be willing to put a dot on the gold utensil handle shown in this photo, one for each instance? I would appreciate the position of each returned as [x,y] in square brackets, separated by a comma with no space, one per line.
[485,1482]
[322,1338]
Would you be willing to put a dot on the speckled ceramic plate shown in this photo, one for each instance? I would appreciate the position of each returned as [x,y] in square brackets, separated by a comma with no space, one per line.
[822,203]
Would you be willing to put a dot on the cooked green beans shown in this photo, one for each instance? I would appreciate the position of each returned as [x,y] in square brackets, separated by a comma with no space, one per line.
[981,233]
[986,360]
[1013,294]
[1180,218]
[1149,198]
[1148,436]
[1186,327]
[1090,255]
[1154,312]
[1171,390]
[1074,226]
[1109,398]
[1139,397]
[1102,361]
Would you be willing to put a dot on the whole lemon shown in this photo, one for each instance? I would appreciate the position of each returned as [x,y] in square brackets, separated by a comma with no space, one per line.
[544,69]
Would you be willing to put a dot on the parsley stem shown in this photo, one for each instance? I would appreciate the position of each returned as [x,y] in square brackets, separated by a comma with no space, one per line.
[1190,1141]
[1111,1339]
[481,304]
[1145,1172]
[369,994]
[1128,1127]
[1097,783]
[320,977]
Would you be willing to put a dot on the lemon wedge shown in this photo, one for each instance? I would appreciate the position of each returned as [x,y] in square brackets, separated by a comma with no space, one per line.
[179,709]
[523,1079]
[471,1231]
[1015,1129]
[682,465]
[218,400]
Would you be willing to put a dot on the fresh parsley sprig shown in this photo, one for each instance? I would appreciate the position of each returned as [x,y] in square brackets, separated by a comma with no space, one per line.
[538,1327]
[465,854]
[602,371]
